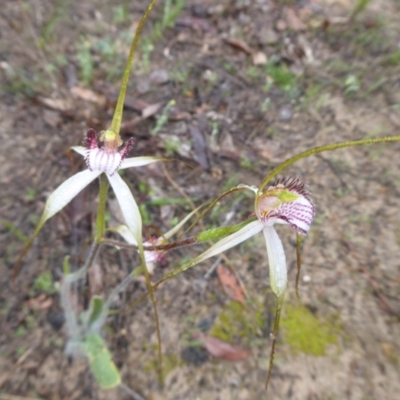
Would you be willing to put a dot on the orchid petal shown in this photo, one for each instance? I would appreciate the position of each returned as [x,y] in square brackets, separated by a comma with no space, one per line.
[67,191]
[127,234]
[139,161]
[276,260]
[230,241]
[129,208]
[80,150]
[299,214]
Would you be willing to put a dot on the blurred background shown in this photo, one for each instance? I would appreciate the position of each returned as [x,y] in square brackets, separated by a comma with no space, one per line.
[231,88]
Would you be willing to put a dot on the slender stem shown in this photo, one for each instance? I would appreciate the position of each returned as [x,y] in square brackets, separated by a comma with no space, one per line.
[72,323]
[316,150]
[160,247]
[119,109]
[101,210]
[150,289]
[274,336]
[298,254]
[70,317]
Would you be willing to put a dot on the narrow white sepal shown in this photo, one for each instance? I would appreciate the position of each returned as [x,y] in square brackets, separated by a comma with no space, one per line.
[128,205]
[232,240]
[126,233]
[138,161]
[67,191]
[80,150]
[276,260]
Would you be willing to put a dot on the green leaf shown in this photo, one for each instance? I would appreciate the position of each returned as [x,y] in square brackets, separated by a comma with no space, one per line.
[96,309]
[100,361]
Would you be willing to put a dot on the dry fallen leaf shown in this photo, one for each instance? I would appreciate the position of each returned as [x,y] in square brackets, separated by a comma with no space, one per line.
[260,58]
[199,146]
[240,45]
[55,104]
[40,302]
[293,20]
[230,284]
[95,280]
[88,95]
[151,110]
[220,349]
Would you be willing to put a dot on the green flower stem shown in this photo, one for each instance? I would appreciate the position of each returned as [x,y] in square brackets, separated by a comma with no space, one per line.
[150,289]
[101,209]
[298,254]
[274,336]
[119,109]
[321,149]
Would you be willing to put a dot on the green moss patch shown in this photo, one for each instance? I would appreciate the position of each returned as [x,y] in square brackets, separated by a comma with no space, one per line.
[306,333]
[240,323]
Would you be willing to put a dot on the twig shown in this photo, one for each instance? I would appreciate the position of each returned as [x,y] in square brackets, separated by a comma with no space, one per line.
[131,392]
[20,360]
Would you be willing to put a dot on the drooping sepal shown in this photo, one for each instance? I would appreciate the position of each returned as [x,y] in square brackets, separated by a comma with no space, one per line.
[276,261]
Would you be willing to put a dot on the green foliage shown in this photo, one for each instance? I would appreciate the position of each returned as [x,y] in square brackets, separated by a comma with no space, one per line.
[240,322]
[392,59]
[85,62]
[306,333]
[217,233]
[171,361]
[360,6]
[172,146]
[172,9]
[30,194]
[100,361]
[163,118]
[44,283]
[59,11]
[352,84]
[120,14]
[282,76]
[96,309]
[15,231]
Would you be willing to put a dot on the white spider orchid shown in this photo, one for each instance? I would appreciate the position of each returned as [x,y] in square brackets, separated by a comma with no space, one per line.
[287,202]
[105,159]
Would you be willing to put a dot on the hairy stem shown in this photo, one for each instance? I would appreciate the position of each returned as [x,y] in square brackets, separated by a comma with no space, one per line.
[321,149]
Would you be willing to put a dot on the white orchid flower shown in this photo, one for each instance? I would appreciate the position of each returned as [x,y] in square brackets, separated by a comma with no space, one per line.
[105,159]
[287,202]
